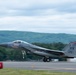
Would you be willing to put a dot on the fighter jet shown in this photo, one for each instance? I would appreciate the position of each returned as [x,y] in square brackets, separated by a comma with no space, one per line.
[68,52]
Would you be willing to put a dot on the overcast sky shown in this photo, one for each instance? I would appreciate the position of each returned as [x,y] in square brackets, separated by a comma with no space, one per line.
[48,16]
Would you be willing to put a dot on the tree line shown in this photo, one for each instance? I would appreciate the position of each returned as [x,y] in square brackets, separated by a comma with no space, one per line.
[20,55]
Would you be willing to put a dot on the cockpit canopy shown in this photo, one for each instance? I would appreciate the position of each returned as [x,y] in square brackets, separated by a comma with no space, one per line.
[17,41]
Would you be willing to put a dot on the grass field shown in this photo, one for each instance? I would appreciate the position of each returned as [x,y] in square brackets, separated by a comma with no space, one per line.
[9,71]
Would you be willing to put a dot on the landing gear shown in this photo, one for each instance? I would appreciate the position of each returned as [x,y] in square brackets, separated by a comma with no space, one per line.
[46,59]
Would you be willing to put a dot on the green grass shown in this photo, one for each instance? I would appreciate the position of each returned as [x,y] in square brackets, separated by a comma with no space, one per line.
[9,71]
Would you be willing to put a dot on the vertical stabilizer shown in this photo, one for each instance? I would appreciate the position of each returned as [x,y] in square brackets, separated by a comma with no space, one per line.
[70,50]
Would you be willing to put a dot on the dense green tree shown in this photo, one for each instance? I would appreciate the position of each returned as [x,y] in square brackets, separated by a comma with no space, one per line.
[3,54]
[6,36]
[55,46]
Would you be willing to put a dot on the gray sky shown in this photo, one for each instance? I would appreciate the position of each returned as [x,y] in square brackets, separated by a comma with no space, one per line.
[48,16]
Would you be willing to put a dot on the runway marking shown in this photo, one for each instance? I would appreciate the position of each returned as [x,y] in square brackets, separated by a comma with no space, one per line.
[33,66]
[47,68]
[57,69]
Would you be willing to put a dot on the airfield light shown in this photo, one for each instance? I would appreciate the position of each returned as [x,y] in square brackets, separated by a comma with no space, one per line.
[1,65]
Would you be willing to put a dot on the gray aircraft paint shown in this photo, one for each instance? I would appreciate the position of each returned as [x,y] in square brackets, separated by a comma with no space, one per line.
[68,51]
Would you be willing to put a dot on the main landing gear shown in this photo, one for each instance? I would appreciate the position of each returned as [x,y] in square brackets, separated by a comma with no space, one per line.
[46,59]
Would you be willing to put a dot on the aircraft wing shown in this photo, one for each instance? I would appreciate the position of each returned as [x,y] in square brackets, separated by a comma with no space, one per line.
[34,48]
[50,51]
[55,52]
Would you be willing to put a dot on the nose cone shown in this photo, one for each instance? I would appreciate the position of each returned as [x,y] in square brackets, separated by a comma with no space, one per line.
[3,45]
[10,45]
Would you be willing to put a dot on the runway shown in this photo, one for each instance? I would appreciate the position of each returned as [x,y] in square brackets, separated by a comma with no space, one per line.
[53,66]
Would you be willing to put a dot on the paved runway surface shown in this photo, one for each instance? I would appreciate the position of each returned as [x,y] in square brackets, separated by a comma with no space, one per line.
[55,66]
